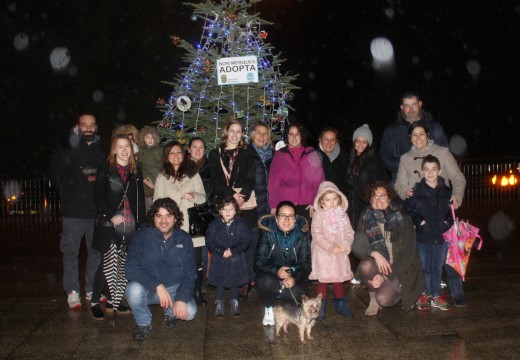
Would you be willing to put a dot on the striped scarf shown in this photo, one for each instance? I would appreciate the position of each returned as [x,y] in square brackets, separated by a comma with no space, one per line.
[391,218]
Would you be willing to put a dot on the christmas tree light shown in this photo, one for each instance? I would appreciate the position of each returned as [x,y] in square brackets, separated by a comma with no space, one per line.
[198,105]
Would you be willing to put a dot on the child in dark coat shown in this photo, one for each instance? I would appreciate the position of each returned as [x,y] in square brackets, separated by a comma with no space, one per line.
[227,239]
[429,208]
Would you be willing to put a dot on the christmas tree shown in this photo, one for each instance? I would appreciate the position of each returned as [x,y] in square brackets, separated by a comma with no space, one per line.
[198,105]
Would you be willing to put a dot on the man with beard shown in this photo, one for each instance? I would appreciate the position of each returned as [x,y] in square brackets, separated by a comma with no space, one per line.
[396,142]
[73,172]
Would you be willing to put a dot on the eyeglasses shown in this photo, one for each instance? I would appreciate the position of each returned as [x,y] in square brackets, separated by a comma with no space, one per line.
[381,197]
[284,217]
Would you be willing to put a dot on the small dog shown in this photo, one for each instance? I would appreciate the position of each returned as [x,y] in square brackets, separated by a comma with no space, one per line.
[302,316]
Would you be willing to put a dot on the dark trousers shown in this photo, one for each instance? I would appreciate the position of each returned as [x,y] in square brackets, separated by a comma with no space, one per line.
[269,287]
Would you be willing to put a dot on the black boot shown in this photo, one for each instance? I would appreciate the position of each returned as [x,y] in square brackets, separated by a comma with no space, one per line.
[341,307]
[244,292]
[323,310]
[199,298]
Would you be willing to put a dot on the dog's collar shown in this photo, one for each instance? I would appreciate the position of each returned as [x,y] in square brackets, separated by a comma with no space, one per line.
[310,319]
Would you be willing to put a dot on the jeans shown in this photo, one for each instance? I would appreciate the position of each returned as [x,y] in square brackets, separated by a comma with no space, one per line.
[433,257]
[139,298]
[73,231]
[454,281]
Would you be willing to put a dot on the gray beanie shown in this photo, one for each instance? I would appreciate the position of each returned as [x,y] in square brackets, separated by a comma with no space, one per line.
[363,131]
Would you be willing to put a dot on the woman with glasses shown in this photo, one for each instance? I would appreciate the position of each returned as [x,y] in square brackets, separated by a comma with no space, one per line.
[283,258]
[385,242]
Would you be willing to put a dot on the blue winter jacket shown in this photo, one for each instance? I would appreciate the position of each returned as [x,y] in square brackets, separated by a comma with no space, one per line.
[396,141]
[433,207]
[152,261]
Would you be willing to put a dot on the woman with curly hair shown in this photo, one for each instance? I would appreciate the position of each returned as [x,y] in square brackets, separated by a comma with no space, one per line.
[180,181]
[385,242]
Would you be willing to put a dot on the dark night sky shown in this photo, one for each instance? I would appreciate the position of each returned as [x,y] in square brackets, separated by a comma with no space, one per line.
[122,50]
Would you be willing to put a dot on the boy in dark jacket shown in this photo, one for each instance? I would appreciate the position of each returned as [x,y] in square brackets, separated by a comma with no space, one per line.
[429,208]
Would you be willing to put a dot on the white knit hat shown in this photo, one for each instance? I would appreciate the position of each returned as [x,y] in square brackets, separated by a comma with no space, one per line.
[363,131]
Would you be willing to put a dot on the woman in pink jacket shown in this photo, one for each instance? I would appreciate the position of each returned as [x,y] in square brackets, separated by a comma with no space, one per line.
[332,237]
[295,174]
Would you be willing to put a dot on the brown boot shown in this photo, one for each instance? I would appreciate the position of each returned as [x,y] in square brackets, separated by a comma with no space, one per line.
[373,307]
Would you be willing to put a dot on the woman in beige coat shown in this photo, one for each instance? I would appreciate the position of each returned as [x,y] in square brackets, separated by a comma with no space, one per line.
[410,173]
[179,180]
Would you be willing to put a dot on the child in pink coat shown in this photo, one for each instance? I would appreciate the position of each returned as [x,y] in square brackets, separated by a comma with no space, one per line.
[332,237]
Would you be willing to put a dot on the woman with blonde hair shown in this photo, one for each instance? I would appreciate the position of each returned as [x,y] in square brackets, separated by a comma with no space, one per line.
[119,200]
[233,173]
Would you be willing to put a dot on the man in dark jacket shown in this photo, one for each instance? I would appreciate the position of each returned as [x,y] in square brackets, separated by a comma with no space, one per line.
[73,172]
[161,269]
[333,158]
[396,142]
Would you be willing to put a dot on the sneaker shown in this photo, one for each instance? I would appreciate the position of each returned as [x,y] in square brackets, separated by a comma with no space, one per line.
[102,299]
[121,309]
[219,308]
[424,302]
[268,317]
[97,313]
[443,284]
[169,322]
[355,281]
[235,308]
[141,332]
[440,302]
[73,300]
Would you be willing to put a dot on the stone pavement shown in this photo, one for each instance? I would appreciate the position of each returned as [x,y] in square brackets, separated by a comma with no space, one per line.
[36,323]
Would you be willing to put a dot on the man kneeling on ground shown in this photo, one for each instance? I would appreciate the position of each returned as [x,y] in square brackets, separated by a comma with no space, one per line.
[161,269]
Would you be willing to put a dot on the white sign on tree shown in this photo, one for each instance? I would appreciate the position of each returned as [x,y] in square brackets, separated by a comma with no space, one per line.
[237,70]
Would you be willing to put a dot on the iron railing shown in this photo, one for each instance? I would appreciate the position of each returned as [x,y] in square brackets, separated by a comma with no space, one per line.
[480,190]
[31,195]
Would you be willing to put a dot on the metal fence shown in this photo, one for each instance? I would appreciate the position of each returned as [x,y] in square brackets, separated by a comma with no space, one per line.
[29,201]
[480,189]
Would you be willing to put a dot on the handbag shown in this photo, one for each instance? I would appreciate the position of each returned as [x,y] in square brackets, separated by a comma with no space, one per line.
[251,202]
[199,217]
[460,238]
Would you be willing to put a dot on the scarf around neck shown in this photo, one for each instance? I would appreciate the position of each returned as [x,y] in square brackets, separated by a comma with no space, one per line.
[391,218]
[265,152]
[334,154]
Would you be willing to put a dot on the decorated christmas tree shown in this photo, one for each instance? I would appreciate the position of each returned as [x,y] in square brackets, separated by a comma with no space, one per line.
[232,71]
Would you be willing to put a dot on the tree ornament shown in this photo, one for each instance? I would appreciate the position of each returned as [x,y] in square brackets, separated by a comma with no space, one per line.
[207,62]
[206,69]
[289,96]
[159,102]
[231,16]
[176,40]
[183,103]
[262,35]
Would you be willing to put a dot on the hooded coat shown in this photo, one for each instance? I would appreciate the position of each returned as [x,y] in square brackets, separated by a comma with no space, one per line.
[278,248]
[236,236]
[330,228]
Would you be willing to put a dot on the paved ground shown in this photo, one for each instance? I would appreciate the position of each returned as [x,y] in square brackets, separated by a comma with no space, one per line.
[36,323]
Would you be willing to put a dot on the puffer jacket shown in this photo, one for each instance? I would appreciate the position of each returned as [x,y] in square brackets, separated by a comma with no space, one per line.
[330,228]
[277,248]
[433,207]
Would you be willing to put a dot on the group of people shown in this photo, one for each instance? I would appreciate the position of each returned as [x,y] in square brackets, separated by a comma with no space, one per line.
[282,218]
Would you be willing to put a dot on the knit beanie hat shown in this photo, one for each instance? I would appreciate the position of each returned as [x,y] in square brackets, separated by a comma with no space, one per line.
[363,131]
